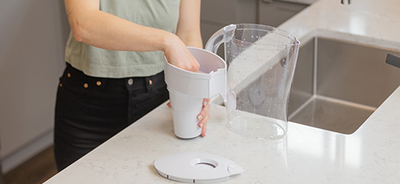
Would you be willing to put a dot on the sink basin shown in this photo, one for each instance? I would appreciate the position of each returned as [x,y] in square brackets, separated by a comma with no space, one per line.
[338,85]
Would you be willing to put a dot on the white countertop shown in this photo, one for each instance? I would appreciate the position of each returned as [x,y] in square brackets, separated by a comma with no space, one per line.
[368,22]
[306,155]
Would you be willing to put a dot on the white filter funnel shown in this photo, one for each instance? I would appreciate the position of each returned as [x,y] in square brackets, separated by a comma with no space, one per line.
[187,90]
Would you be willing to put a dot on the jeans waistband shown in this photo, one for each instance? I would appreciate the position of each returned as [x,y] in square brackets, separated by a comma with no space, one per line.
[151,82]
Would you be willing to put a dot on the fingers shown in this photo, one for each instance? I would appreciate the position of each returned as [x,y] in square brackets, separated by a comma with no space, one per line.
[204,116]
[203,125]
[206,102]
[187,62]
[178,55]
[169,104]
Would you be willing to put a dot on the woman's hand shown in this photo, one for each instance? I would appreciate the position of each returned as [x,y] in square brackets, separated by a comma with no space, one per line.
[178,55]
[203,116]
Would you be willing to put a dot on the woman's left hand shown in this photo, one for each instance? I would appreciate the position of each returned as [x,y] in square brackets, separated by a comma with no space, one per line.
[203,116]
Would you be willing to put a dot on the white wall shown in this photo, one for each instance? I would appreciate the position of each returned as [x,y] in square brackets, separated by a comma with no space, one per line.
[32,40]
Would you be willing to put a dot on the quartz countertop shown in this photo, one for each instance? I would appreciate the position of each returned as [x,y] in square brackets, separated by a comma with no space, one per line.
[305,155]
[363,21]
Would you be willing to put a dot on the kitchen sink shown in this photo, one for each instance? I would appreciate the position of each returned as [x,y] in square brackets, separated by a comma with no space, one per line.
[338,85]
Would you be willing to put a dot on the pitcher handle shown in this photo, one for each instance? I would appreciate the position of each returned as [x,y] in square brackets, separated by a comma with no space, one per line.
[223,35]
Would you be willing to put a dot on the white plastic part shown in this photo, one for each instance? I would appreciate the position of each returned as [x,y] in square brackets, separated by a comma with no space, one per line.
[185,109]
[187,90]
[191,167]
[209,81]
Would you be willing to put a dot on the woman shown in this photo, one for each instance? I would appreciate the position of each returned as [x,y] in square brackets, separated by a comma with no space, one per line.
[114,68]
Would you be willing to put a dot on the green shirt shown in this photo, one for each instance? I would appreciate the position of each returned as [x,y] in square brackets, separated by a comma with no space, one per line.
[97,62]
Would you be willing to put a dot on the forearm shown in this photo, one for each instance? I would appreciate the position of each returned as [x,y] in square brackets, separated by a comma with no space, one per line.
[193,40]
[100,29]
[110,32]
[188,28]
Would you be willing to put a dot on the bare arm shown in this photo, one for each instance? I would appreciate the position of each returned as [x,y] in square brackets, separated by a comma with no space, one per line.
[189,23]
[100,29]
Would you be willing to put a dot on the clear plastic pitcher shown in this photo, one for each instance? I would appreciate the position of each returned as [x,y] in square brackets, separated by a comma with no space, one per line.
[261,61]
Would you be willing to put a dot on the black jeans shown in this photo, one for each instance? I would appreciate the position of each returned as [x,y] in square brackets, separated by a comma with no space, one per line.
[90,110]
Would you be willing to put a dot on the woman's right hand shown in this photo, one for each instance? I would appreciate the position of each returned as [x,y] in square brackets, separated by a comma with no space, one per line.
[178,55]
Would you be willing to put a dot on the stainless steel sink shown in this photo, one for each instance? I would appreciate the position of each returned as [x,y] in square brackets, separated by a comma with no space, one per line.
[338,85]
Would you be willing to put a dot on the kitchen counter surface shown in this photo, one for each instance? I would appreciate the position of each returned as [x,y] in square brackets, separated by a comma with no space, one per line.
[363,21]
[305,155]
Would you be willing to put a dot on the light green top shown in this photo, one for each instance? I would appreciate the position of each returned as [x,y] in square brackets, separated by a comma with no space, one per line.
[97,62]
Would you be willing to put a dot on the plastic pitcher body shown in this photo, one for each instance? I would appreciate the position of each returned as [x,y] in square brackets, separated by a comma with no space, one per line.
[260,62]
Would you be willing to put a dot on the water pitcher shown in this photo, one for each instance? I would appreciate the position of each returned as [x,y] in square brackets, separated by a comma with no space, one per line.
[261,61]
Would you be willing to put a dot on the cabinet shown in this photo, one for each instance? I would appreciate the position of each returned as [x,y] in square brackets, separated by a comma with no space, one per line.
[274,13]
[1,175]
[216,14]
[31,61]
